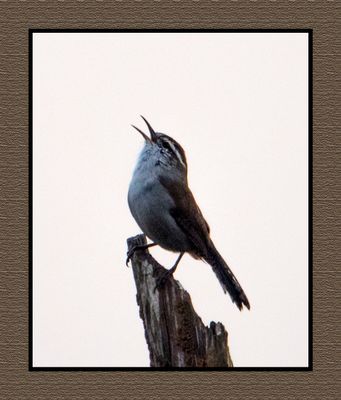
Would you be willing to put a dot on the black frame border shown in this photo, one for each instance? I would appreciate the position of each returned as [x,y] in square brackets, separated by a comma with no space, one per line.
[310,198]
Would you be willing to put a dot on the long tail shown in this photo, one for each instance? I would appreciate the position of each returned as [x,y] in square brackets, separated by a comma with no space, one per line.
[226,278]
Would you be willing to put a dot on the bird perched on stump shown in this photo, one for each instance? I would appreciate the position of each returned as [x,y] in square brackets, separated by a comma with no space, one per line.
[165,209]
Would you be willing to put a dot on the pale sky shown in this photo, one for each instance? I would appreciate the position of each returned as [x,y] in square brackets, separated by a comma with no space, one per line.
[238,105]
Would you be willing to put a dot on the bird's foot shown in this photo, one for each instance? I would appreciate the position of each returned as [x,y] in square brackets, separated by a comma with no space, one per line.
[162,279]
[131,252]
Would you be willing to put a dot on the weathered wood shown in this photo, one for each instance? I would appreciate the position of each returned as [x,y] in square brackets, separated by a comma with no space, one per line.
[175,334]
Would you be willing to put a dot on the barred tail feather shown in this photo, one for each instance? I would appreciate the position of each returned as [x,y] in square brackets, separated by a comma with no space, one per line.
[226,278]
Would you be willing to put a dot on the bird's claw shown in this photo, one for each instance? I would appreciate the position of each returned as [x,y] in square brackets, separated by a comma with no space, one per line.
[137,247]
[130,254]
[161,280]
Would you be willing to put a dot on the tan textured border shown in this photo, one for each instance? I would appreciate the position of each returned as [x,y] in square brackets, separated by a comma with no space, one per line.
[16,17]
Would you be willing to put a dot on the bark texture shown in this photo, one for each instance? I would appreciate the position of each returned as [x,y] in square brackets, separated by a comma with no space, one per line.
[175,334]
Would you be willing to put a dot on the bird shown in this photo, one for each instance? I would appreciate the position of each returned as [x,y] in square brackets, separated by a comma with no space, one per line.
[165,209]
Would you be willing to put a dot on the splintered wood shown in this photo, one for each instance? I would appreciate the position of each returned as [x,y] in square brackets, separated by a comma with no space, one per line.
[175,334]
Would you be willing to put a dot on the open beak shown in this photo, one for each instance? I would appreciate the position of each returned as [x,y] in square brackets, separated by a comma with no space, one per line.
[153,135]
[146,138]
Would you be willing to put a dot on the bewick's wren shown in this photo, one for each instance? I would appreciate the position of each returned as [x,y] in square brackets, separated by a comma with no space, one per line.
[164,207]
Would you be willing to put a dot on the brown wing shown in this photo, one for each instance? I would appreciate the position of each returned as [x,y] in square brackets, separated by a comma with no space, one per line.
[188,216]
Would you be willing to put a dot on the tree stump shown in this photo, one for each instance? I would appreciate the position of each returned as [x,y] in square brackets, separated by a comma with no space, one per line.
[175,334]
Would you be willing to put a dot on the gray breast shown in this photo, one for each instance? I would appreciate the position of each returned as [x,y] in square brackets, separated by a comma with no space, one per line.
[149,204]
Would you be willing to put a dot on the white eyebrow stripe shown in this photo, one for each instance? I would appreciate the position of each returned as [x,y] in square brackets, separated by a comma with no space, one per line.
[176,152]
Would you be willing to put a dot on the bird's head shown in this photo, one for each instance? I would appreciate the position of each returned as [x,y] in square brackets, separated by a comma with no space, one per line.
[168,150]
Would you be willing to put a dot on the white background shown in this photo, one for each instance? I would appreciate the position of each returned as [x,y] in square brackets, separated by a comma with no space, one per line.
[238,104]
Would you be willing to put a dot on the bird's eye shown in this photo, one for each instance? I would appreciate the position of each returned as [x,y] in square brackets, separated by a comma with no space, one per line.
[167,146]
